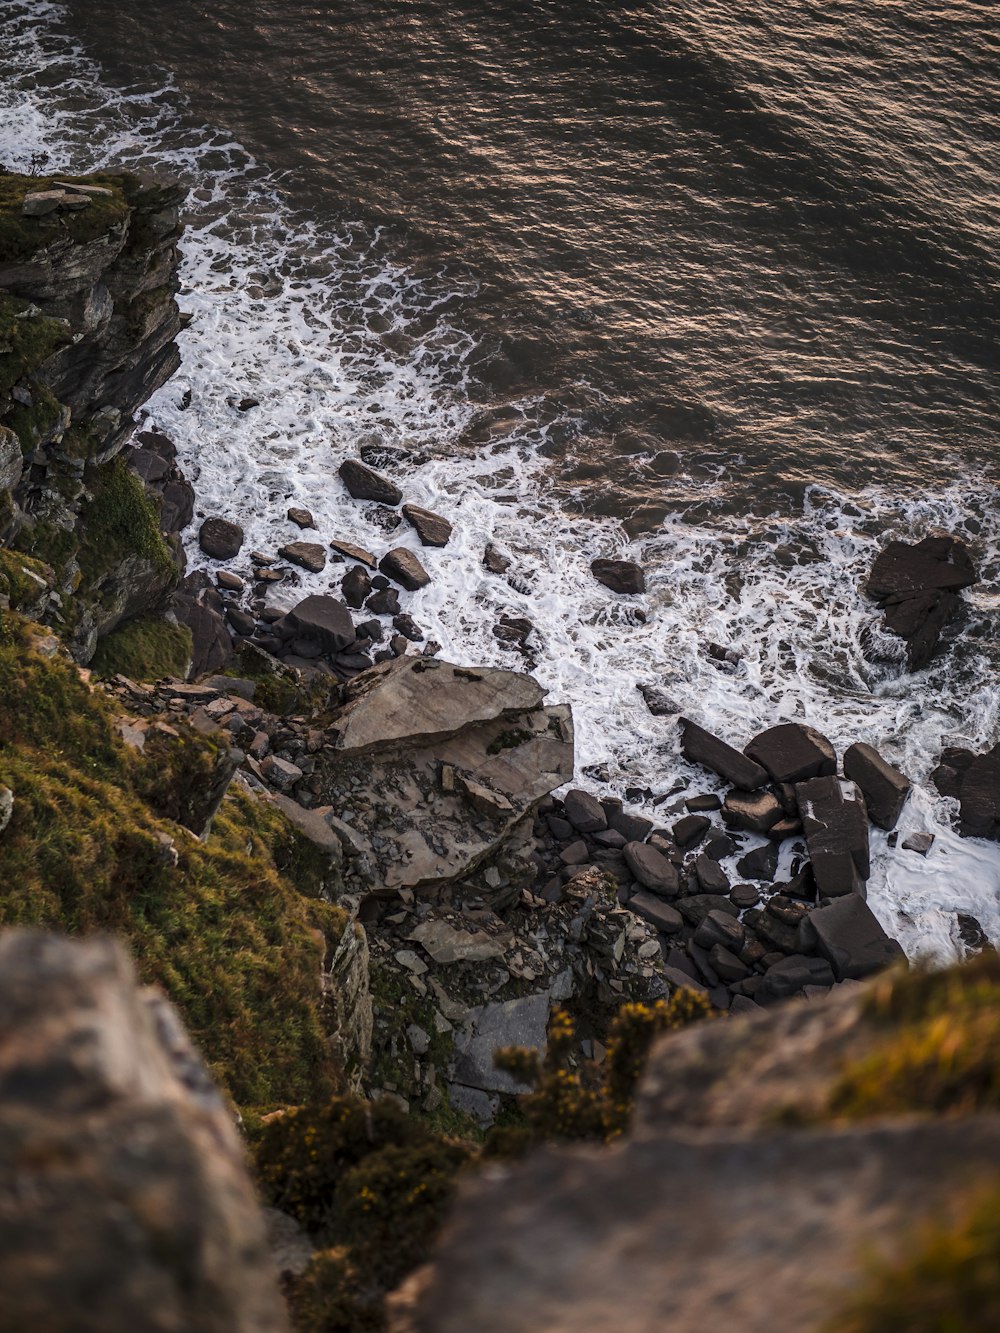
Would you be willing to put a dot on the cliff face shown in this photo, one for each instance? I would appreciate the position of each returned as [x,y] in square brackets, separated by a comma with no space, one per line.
[88,318]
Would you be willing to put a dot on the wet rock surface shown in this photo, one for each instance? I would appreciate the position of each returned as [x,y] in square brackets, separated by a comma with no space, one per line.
[917,589]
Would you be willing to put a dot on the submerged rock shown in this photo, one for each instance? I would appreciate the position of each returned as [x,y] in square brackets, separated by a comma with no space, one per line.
[621,576]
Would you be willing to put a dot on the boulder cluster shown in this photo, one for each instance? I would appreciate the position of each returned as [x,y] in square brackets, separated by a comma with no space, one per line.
[755,940]
[917,589]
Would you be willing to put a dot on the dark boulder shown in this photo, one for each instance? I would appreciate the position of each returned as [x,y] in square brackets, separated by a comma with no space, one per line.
[621,576]
[356,585]
[324,620]
[212,644]
[696,906]
[690,830]
[980,797]
[364,483]
[701,747]
[405,624]
[633,828]
[307,555]
[755,811]
[666,919]
[792,974]
[495,561]
[849,936]
[220,539]
[176,505]
[720,928]
[584,811]
[793,752]
[917,588]
[710,875]
[432,529]
[403,567]
[761,863]
[302,518]
[884,788]
[836,828]
[384,602]
[651,868]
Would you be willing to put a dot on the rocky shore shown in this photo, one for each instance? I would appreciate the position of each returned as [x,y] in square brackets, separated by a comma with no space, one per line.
[359,870]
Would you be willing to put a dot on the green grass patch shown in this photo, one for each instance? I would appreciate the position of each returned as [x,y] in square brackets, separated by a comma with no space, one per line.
[120,521]
[19,578]
[145,649]
[26,341]
[21,237]
[229,937]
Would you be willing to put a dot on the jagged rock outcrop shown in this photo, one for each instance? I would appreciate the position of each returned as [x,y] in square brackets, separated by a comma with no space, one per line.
[917,589]
[712,1215]
[88,319]
[126,1202]
[432,766]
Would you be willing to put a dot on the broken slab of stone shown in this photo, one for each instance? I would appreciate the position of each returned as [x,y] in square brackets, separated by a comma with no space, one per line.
[835,824]
[133,1207]
[793,752]
[917,588]
[348,551]
[701,747]
[438,763]
[621,576]
[491,1027]
[756,811]
[447,944]
[884,788]
[432,529]
[365,483]
[660,915]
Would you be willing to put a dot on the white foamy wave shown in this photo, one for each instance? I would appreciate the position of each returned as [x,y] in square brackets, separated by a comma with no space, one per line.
[343,348]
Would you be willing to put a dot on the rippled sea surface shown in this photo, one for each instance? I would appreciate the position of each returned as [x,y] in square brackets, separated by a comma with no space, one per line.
[713,286]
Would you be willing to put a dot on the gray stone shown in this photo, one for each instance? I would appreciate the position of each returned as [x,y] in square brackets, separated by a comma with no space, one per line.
[280,773]
[651,868]
[11,459]
[584,811]
[492,1027]
[633,828]
[791,975]
[711,877]
[6,807]
[403,567]
[884,788]
[446,944]
[42,202]
[666,919]
[701,747]
[432,529]
[849,936]
[793,752]
[307,555]
[364,483]
[696,906]
[728,966]
[690,830]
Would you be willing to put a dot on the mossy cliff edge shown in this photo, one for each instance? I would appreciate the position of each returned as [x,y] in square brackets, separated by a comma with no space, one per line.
[88,321]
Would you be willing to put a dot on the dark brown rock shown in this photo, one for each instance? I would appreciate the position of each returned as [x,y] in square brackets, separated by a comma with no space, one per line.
[220,539]
[403,567]
[917,588]
[302,518]
[621,576]
[307,555]
[348,550]
[666,919]
[324,620]
[754,811]
[584,811]
[884,788]
[980,797]
[836,829]
[701,747]
[364,483]
[849,936]
[793,752]
[690,830]
[356,585]
[651,868]
[432,529]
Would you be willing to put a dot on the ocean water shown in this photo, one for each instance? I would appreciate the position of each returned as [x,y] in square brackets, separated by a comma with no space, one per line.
[710,287]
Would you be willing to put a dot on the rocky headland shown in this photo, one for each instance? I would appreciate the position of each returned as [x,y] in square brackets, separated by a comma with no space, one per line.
[353,873]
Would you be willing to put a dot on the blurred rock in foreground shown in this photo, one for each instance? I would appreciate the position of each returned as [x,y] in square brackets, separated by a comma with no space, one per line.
[125,1203]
